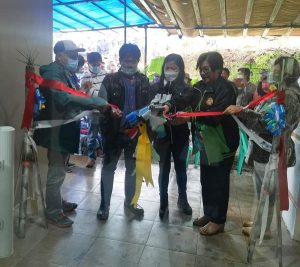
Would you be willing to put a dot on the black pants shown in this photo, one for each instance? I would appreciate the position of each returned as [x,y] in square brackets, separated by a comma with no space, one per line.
[215,190]
[178,149]
[109,166]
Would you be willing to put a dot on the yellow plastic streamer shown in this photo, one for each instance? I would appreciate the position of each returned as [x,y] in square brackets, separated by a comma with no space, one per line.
[143,162]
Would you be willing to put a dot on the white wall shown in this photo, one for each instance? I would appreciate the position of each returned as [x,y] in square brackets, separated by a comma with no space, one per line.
[24,25]
[291,217]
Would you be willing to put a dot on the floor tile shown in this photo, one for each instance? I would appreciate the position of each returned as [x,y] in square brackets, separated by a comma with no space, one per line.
[128,240]
[202,261]
[153,257]
[177,238]
[105,253]
[58,248]
[85,222]
[92,203]
[223,246]
[127,229]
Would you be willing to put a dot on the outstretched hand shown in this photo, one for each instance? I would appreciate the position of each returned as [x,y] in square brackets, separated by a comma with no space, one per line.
[233,109]
[116,112]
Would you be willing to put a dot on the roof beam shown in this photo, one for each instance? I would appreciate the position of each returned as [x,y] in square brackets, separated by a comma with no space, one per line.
[172,17]
[145,18]
[290,29]
[113,28]
[273,16]
[150,11]
[84,15]
[223,15]
[248,16]
[197,15]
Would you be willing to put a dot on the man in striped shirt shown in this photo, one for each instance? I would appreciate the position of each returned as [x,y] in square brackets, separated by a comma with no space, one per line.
[91,83]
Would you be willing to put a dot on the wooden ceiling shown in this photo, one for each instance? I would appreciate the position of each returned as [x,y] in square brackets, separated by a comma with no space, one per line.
[225,17]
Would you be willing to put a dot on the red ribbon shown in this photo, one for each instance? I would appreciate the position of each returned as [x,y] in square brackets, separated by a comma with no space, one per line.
[282,166]
[30,80]
[219,113]
[261,99]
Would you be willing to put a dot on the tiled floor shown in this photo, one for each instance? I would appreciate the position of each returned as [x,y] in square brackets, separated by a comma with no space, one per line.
[145,242]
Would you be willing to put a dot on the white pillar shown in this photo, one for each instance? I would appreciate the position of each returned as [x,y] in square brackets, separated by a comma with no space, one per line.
[291,217]
[7,137]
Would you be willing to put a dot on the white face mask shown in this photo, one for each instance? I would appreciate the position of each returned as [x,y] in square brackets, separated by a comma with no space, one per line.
[171,75]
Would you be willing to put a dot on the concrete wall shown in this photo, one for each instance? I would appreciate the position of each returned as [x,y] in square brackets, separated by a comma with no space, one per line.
[24,25]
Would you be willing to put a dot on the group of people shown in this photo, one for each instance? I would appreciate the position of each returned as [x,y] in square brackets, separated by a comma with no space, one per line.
[116,95]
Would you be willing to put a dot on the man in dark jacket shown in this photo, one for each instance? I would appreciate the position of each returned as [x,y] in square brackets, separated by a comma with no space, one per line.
[129,90]
[62,139]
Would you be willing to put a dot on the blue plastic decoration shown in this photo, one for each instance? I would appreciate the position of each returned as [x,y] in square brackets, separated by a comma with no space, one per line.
[39,102]
[274,118]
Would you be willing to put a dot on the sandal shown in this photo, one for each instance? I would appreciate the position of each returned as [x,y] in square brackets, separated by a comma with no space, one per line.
[211,229]
[201,221]
[247,232]
[248,224]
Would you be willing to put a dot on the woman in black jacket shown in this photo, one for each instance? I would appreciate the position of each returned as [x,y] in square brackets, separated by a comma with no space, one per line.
[216,137]
[173,137]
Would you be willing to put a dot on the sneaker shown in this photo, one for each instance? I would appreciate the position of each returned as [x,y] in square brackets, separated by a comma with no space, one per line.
[138,210]
[90,163]
[102,214]
[68,169]
[163,212]
[60,220]
[68,206]
[184,206]
[71,165]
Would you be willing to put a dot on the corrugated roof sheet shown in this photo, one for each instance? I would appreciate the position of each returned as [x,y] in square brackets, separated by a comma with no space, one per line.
[182,17]
[72,15]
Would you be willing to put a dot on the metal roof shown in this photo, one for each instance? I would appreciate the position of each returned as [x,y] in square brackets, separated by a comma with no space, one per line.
[225,17]
[182,17]
[85,15]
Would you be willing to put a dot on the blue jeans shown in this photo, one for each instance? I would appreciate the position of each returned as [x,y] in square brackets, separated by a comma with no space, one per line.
[92,135]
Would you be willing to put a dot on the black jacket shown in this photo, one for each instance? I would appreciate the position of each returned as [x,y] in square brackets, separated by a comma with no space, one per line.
[212,97]
[112,89]
[176,90]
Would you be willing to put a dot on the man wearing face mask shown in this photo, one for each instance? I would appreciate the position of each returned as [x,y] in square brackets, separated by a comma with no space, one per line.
[129,90]
[63,139]
[246,88]
[91,83]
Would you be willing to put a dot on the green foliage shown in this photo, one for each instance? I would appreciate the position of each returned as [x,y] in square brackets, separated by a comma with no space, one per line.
[194,81]
[154,67]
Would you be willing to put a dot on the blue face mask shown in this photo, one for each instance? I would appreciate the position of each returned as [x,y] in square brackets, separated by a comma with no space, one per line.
[72,64]
[129,70]
[95,69]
